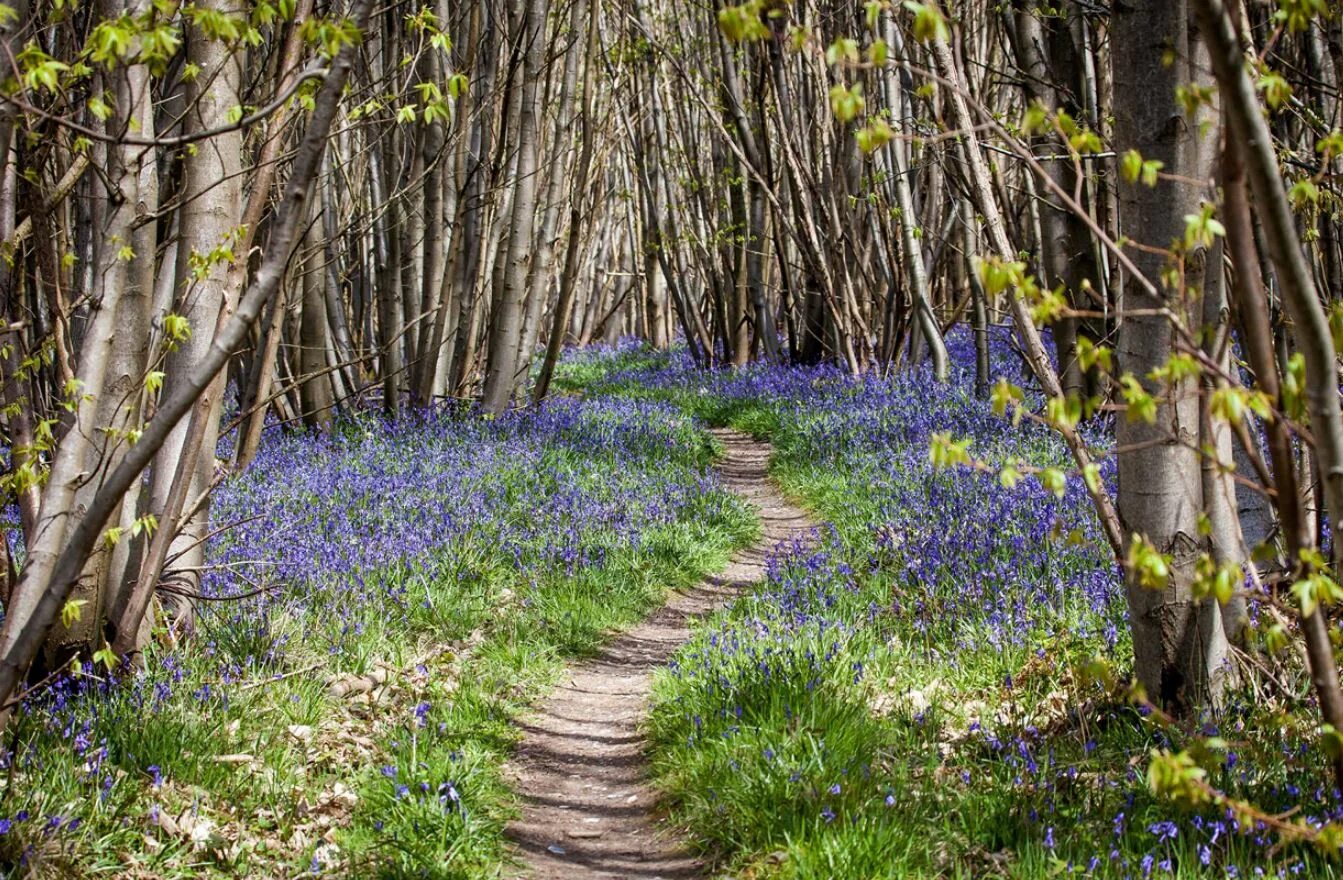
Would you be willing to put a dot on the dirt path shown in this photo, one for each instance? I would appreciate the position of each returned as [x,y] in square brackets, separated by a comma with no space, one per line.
[588,809]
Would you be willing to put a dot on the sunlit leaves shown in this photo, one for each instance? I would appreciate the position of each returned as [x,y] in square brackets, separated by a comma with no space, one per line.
[1331,145]
[176,330]
[106,657]
[1091,475]
[1053,480]
[1298,14]
[100,109]
[1303,194]
[1293,400]
[874,136]
[1178,776]
[215,24]
[329,36]
[1080,139]
[146,40]
[843,49]
[71,611]
[872,10]
[1134,168]
[1035,120]
[1139,406]
[1147,565]
[437,108]
[111,41]
[265,13]
[1201,229]
[146,524]
[998,275]
[1178,368]
[1336,325]
[1218,580]
[846,102]
[742,23]
[1063,412]
[1092,356]
[1230,404]
[1277,91]
[1314,590]
[203,263]
[40,71]
[944,451]
[1192,97]
[929,24]
[158,45]
[1005,396]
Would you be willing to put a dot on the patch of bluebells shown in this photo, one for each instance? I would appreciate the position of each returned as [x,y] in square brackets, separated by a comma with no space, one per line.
[367,518]
[963,566]
[327,536]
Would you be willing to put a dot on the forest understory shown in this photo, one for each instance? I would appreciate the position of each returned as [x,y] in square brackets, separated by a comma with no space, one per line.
[904,694]
[615,439]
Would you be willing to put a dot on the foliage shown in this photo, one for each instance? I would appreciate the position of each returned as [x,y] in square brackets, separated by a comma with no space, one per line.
[929,688]
[382,601]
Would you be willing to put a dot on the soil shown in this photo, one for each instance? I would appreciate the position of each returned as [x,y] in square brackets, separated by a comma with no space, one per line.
[588,808]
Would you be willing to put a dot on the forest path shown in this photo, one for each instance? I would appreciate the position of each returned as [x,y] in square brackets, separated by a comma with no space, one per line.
[588,808]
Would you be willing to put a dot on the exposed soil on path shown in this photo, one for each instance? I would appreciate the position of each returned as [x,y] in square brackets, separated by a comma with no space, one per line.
[588,810]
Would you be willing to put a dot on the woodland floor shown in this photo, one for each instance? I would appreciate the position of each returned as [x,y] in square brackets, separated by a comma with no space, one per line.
[581,771]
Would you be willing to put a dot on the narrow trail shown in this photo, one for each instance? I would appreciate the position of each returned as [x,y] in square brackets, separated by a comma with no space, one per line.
[588,809]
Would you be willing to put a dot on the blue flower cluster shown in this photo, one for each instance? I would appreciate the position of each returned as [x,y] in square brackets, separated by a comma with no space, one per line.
[334,553]
[901,696]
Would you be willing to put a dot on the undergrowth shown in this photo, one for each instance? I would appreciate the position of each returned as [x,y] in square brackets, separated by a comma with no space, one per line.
[907,695]
[384,600]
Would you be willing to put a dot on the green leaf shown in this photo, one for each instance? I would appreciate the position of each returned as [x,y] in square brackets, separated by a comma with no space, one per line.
[1053,480]
[742,24]
[874,136]
[928,22]
[71,612]
[873,8]
[1277,91]
[1315,590]
[846,103]
[1147,565]
[1140,406]
[842,49]
[945,452]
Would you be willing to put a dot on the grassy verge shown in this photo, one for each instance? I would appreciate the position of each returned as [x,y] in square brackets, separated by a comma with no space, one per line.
[909,699]
[418,586]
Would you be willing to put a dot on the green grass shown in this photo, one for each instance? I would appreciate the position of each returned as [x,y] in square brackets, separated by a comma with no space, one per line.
[814,771]
[305,773]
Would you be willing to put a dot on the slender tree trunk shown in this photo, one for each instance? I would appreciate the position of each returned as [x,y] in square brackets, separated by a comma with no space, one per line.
[506,322]
[45,588]
[1303,304]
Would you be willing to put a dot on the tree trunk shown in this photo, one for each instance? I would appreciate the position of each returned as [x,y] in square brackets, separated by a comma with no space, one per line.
[1178,642]
[506,322]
